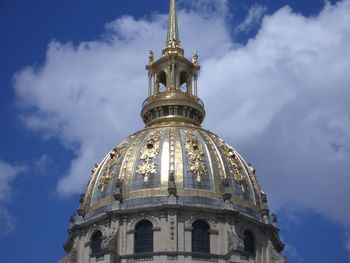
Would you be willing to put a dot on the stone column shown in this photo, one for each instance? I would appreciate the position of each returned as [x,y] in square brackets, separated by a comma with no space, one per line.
[150,76]
[195,85]
[189,86]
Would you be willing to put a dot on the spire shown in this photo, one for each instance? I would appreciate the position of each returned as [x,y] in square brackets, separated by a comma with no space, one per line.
[172,44]
[173,28]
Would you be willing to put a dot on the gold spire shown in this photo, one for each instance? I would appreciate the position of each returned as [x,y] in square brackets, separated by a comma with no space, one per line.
[173,39]
[173,28]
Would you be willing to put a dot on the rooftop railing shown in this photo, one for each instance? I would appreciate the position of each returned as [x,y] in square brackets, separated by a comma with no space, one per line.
[173,95]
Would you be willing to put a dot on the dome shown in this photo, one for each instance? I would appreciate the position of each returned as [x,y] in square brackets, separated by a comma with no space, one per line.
[173,155]
[183,160]
[173,192]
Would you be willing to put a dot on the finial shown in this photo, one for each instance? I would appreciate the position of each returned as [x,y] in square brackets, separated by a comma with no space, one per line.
[173,29]
[195,57]
[151,57]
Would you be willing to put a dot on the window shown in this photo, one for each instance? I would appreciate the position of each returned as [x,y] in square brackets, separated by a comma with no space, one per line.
[180,110]
[96,242]
[166,111]
[143,237]
[200,237]
[249,245]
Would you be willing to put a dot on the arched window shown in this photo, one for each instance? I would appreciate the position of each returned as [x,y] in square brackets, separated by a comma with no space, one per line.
[249,244]
[200,237]
[143,241]
[96,242]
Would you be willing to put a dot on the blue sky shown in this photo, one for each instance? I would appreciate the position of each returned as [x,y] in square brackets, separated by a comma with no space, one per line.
[274,80]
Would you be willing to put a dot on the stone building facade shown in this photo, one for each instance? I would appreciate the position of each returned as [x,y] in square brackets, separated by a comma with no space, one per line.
[173,192]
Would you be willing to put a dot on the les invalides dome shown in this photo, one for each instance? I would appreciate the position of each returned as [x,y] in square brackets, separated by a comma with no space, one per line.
[173,192]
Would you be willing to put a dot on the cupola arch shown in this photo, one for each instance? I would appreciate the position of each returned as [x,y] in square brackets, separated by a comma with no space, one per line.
[184,81]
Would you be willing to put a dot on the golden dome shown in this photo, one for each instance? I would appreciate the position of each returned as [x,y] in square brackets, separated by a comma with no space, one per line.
[173,160]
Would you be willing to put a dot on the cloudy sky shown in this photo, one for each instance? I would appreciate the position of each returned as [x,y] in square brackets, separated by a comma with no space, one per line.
[275,80]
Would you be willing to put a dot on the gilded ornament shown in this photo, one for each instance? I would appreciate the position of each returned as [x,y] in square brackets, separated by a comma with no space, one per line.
[195,156]
[114,156]
[236,168]
[254,180]
[149,150]
[145,169]
[104,182]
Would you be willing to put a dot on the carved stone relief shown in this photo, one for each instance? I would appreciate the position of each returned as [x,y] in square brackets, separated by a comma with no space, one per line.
[234,241]
[153,219]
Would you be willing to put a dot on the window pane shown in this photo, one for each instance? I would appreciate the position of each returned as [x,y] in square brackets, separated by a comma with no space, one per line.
[143,237]
[96,242]
[249,245]
[200,237]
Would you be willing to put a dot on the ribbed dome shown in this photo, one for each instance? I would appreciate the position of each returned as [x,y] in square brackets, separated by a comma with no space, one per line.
[181,160]
[173,156]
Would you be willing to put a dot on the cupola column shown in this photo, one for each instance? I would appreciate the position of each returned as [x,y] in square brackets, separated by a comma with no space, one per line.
[156,84]
[189,85]
[195,85]
[150,76]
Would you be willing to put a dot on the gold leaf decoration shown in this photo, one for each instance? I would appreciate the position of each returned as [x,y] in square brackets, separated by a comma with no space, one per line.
[113,159]
[149,150]
[236,168]
[145,169]
[195,156]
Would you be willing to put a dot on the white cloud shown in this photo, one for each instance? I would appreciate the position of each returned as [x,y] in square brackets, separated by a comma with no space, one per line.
[282,98]
[7,174]
[253,18]
[42,164]
[289,107]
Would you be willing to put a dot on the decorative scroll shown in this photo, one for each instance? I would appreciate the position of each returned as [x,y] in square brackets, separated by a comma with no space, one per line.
[149,150]
[195,156]
[236,168]
[114,156]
